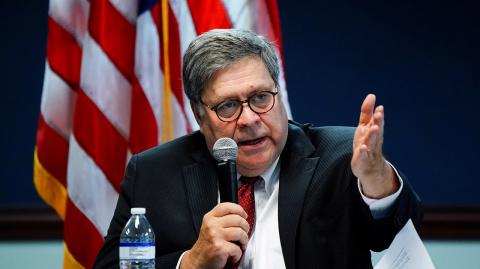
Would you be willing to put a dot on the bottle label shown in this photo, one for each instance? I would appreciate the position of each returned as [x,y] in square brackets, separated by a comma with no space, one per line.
[137,251]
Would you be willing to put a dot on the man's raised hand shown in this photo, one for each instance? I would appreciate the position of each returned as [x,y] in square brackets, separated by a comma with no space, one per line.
[377,177]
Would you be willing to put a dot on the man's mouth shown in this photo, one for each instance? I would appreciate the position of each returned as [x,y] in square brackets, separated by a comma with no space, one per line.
[251,142]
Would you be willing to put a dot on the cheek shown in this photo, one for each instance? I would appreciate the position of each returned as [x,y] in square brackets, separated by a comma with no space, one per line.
[208,133]
[214,131]
[278,125]
[279,131]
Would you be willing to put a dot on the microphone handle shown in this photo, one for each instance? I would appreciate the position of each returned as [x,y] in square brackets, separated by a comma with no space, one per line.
[227,183]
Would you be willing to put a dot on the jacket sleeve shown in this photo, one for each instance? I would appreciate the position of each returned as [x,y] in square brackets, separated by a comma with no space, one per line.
[380,232]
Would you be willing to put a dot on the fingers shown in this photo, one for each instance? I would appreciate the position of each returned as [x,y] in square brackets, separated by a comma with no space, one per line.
[226,215]
[234,252]
[379,120]
[366,137]
[371,138]
[367,159]
[371,125]
[235,221]
[224,209]
[368,141]
[366,110]
[236,234]
[223,235]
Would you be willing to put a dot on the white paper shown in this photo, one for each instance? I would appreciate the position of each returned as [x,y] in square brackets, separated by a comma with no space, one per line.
[406,251]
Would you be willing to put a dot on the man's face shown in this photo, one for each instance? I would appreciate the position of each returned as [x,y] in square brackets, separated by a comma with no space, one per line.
[260,137]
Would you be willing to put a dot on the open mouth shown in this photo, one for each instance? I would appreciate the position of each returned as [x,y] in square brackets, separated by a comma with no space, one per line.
[251,142]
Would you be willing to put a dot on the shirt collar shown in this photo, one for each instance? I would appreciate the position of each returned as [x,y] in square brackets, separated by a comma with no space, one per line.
[270,176]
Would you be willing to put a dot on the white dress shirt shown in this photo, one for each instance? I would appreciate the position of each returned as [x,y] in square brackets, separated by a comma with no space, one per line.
[264,249]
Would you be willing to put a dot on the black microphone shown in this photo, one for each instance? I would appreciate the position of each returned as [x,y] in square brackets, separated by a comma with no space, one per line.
[225,151]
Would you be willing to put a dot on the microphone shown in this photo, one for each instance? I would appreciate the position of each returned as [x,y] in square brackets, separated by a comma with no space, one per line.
[225,151]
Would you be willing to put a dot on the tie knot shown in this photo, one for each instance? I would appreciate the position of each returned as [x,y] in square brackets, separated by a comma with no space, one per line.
[249,180]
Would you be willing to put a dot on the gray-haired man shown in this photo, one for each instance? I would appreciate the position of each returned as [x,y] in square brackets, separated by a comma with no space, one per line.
[324,198]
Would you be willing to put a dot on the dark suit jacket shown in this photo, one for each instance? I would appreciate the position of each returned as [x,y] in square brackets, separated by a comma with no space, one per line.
[323,221]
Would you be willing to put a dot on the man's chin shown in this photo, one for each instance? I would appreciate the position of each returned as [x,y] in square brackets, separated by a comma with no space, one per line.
[252,167]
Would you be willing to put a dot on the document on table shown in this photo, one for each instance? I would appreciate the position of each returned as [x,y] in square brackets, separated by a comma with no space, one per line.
[406,251]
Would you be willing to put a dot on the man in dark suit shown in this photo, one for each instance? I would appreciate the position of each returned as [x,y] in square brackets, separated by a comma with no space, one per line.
[321,197]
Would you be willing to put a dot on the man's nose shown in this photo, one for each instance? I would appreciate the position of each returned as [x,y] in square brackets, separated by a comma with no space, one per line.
[248,116]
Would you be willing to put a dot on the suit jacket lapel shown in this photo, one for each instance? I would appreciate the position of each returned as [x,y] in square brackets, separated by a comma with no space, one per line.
[295,174]
[201,186]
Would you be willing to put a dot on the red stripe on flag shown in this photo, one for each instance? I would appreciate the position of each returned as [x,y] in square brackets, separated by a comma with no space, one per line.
[208,14]
[52,151]
[82,238]
[114,34]
[64,54]
[100,139]
[272,8]
[143,127]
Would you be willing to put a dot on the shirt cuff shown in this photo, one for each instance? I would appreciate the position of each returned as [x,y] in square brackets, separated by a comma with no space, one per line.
[381,208]
[180,260]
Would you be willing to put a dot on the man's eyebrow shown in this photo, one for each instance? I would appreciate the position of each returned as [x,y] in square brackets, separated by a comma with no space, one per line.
[260,88]
[231,98]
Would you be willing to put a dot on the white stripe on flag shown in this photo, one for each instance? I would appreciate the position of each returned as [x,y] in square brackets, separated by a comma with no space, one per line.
[72,15]
[106,86]
[57,103]
[147,64]
[283,89]
[128,8]
[178,118]
[263,23]
[187,34]
[89,189]
[185,23]
[241,13]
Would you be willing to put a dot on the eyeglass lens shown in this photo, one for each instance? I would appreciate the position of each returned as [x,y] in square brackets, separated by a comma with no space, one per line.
[261,102]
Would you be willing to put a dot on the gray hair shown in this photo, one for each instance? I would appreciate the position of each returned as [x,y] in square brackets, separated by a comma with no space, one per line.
[217,49]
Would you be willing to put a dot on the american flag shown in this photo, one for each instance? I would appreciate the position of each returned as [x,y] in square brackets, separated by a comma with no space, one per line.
[112,88]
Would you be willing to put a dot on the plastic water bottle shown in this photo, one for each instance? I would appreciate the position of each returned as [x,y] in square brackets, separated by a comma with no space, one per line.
[137,242]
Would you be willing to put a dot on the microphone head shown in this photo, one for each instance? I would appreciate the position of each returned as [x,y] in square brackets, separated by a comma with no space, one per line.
[225,149]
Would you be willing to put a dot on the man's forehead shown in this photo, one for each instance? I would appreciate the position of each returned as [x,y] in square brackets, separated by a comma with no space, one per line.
[240,79]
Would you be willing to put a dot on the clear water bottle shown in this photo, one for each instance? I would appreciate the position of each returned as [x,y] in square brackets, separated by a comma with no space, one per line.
[137,242]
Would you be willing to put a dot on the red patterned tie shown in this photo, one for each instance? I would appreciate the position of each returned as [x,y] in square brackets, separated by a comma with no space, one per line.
[247,200]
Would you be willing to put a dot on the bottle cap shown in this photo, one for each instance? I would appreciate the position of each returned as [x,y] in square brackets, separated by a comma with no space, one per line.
[137,211]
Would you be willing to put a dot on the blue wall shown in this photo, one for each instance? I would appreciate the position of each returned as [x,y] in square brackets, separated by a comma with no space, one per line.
[421,59]
[22,63]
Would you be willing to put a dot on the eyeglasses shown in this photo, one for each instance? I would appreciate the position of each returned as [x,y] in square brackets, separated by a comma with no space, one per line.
[230,110]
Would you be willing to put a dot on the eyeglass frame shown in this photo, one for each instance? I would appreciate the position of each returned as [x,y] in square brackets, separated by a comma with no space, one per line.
[214,108]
